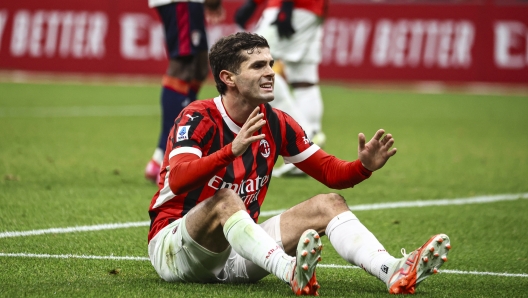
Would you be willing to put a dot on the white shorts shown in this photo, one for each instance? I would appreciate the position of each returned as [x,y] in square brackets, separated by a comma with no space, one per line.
[304,46]
[177,257]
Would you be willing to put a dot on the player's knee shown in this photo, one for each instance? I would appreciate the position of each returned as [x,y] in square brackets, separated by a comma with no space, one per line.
[332,204]
[225,199]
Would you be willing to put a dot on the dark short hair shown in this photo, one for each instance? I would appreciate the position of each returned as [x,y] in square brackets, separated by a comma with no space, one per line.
[226,54]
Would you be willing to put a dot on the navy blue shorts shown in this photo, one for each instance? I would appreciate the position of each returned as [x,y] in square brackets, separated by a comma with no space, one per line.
[184,24]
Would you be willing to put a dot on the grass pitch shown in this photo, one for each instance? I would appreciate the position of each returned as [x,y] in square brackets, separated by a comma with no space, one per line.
[73,156]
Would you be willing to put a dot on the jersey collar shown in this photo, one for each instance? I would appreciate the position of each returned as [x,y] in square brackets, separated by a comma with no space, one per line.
[230,123]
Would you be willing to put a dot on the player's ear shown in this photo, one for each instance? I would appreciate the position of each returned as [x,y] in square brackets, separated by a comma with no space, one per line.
[227,77]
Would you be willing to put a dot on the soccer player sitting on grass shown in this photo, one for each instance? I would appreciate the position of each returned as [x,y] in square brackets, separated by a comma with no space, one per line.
[217,172]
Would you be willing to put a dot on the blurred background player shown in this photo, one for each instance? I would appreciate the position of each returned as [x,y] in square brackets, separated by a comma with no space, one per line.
[186,42]
[294,32]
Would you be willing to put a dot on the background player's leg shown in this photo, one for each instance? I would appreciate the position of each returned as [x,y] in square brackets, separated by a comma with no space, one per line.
[174,97]
[310,104]
[198,74]
[304,79]
[180,86]
[188,67]
[285,102]
[306,107]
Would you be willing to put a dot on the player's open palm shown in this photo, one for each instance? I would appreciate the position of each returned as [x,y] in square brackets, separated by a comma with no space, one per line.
[245,137]
[374,154]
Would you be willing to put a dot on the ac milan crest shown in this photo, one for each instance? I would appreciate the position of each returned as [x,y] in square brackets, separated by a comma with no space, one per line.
[264,148]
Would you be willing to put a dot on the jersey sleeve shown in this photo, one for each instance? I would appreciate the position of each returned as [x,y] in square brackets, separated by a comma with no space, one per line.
[296,147]
[190,134]
[188,141]
[333,172]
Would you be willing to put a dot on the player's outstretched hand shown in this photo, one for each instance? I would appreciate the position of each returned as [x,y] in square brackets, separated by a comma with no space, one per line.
[245,137]
[374,154]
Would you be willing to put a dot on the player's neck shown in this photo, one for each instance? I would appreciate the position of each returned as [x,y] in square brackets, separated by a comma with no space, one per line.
[237,110]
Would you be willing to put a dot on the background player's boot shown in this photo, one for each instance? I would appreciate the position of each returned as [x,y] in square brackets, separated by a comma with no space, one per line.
[152,171]
[319,139]
[419,264]
[309,249]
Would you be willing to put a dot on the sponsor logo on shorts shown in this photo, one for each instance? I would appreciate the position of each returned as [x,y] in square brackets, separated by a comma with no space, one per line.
[385,269]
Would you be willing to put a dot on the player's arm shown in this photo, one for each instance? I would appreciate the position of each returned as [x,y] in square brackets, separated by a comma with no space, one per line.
[339,174]
[332,171]
[189,171]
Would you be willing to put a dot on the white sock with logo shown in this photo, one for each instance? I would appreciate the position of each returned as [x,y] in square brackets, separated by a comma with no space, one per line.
[250,241]
[356,244]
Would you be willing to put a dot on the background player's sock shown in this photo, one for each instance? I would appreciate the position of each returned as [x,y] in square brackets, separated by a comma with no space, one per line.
[157,157]
[285,102]
[309,103]
[250,241]
[356,244]
[174,97]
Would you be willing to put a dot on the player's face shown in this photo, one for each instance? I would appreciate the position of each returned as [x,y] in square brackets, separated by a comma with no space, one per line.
[256,77]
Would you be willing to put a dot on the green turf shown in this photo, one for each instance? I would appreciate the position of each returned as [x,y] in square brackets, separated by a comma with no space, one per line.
[61,169]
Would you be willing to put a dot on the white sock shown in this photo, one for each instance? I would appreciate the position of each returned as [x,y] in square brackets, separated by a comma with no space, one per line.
[158,156]
[250,241]
[356,244]
[309,102]
[284,101]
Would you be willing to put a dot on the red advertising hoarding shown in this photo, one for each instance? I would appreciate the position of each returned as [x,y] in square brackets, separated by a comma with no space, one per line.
[485,41]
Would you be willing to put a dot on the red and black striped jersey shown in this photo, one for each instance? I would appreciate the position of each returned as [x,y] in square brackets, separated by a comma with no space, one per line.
[204,128]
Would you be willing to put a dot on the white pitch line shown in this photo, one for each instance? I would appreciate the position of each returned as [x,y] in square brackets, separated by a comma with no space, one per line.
[505,274]
[131,258]
[88,111]
[366,207]
[442,202]
[422,203]
[76,229]
[47,256]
